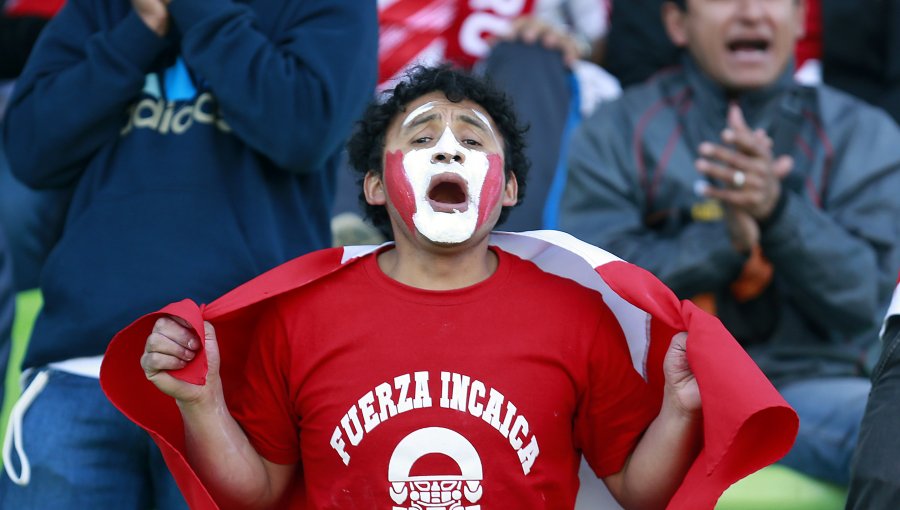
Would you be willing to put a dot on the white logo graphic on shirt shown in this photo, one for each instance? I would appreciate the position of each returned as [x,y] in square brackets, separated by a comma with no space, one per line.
[171,104]
[458,392]
[440,490]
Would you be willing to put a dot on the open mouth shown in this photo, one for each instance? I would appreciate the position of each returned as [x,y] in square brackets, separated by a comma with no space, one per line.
[749,46]
[447,193]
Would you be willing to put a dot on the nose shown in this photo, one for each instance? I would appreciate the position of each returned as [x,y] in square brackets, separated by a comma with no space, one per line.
[751,9]
[447,157]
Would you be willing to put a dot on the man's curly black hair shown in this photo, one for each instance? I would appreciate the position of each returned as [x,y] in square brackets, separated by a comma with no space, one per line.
[366,146]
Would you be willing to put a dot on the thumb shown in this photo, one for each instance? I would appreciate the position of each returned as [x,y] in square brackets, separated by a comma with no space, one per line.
[783,166]
[211,346]
[676,362]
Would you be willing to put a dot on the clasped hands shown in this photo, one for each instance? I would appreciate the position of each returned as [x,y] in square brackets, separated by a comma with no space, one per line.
[749,177]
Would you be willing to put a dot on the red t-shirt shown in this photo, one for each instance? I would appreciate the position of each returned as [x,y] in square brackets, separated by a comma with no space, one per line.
[397,397]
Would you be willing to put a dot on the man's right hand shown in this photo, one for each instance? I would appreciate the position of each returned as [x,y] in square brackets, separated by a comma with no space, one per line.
[170,346]
[154,14]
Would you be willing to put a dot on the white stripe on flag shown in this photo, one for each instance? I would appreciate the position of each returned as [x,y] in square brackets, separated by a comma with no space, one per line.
[563,255]
[894,309]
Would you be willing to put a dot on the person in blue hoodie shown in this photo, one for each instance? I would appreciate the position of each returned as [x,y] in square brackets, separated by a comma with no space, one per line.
[211,128]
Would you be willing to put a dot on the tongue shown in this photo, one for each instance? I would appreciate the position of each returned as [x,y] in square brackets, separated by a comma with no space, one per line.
[445,207]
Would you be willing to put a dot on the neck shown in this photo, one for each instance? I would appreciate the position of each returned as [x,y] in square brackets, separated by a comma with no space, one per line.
[440,268]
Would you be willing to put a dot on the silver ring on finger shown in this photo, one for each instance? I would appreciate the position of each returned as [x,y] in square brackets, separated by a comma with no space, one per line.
[738,179]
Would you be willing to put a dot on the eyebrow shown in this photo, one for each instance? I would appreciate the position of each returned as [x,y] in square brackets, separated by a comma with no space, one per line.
[423,119]
[478,123]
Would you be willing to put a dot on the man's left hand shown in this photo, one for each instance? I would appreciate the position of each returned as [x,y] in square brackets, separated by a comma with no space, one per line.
[750,175]
[681,385]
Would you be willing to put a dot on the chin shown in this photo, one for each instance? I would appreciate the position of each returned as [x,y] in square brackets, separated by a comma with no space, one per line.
[751,77]
[750,81]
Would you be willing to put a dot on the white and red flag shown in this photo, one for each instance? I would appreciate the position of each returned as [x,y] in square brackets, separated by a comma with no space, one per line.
[894,308]
[746,423]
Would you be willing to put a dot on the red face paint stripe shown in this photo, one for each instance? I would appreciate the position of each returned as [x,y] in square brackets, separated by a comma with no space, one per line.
[398,188]
[491,190]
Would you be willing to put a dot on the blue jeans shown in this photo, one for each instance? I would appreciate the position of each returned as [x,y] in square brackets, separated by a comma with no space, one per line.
[875,474]
[85,454]
[830,411]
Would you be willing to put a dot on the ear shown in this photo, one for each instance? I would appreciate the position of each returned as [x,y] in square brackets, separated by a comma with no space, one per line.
[674,20]
[510,191]
[373,188]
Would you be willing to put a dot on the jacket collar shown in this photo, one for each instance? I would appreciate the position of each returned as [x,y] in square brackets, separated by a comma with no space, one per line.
[712,99]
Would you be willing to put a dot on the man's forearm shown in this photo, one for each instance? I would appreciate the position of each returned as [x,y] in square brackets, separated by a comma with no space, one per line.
[222,455]
[659,462]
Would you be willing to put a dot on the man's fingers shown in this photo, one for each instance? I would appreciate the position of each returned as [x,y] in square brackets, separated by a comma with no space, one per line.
[747,142]
[156,362]
[734,197]
[180,321]
[165,345]
[722,173]
[729,157]
[177,330]
[736,118]
[783,166]
[738,133]
[530,30]
[763,137]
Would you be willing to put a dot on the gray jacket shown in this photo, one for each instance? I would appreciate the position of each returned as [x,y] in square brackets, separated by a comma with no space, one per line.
[834,243]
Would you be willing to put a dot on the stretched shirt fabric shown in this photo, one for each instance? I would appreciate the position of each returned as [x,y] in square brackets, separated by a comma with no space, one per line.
[398,388]
[746,423]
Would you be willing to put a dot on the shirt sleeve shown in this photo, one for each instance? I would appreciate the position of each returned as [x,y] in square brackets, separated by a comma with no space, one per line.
[261,403]
[617,406]
[82,74]
[293,95]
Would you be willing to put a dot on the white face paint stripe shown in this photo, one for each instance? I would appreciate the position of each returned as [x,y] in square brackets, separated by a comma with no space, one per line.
[487,123]
[421,110]
[417,112]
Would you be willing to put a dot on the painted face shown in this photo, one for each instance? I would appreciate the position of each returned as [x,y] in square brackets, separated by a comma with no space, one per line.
[444,176]
[741,44]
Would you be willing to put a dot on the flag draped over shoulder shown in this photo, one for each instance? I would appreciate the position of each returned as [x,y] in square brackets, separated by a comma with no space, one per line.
[746,423]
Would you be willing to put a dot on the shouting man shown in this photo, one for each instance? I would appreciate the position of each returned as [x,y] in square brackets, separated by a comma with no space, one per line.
[379,385]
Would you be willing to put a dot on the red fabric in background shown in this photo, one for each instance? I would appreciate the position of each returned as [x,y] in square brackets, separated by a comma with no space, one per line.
[810,45]
[747,425]
[408,27]
[40,8]
[472,28]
